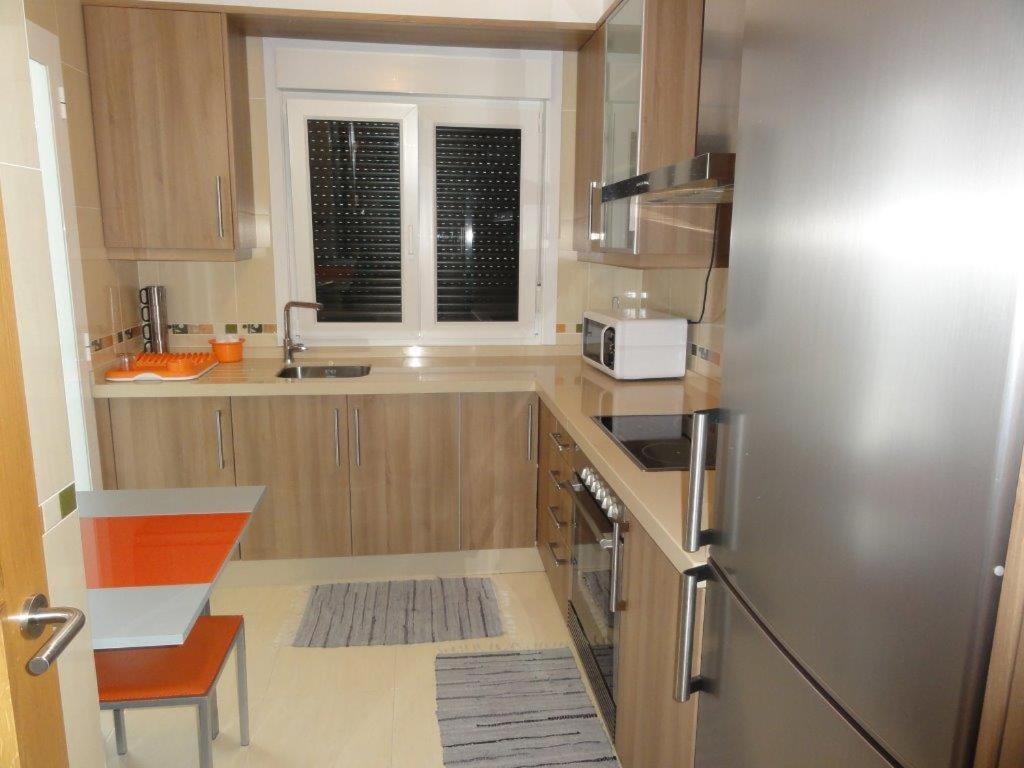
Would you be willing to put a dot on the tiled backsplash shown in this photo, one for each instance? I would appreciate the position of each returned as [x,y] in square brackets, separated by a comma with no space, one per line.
[681,292]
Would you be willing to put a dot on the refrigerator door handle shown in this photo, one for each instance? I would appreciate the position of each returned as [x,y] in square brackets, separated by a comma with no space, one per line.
[702,421]
[686,683]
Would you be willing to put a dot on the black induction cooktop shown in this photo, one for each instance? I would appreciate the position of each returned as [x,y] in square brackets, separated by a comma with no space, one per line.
[656,443]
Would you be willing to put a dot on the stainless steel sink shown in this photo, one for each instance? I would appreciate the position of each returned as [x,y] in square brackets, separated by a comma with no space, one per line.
[323,371]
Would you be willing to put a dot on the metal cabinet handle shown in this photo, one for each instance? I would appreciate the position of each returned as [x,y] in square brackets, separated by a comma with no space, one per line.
[686,683]
[554,518]
[529,432]
[220,210]
[337,438]
[613,587]
[702,421]
[220,438]
[559,485]
[559,445]
[36,614]
[559,562]
[359,442]
[590,212]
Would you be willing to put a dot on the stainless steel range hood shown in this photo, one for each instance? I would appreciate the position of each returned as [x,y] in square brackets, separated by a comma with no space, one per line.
[707,177]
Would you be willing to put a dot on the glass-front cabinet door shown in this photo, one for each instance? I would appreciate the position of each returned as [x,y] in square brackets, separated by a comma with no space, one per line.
[621,145]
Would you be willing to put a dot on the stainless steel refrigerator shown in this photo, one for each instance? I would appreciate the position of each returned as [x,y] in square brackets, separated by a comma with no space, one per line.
[872,384]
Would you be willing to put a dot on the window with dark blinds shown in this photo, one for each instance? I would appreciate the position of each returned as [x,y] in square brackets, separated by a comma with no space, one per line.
[355,191]
[477,224]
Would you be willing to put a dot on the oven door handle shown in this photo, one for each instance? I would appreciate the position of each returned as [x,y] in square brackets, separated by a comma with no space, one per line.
[613,588]
[583,504]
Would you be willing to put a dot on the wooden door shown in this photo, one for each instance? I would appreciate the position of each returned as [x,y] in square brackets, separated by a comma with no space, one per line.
[589,137]
[160,111]
[297,447]
[172,442]
[404,473]
[31,720]
[652,728]
[498,446]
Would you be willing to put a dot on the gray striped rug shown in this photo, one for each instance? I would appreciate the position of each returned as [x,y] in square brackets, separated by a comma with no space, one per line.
[517,709]
[399,613]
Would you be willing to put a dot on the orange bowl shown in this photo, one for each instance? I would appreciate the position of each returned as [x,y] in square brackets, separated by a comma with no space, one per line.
[227,351]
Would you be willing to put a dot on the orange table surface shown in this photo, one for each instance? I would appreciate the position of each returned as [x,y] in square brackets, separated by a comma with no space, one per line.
[156,550]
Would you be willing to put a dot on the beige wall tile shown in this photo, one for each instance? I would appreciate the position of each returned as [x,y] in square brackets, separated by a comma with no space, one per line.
[572,292]
[65,574]
[127,273]
[17,128]
[102,297]
[605,282]
[657,286]
[254,66]
[255,283]
[200,292]
[71,31]
[80,137]
[260,156]
[31,275]
[43,13]
[567,172]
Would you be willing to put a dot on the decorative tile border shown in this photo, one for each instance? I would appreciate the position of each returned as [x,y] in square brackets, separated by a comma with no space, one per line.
[104,342]
[198,329]
[708,355]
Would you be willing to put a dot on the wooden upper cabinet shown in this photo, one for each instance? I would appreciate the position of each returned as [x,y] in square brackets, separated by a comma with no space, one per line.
[404,470]
[589,129]
[498,443]
[171,118]
[652,728]
[298,447]
[172,442]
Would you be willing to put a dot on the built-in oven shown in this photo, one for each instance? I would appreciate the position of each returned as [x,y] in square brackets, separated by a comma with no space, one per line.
[594,602]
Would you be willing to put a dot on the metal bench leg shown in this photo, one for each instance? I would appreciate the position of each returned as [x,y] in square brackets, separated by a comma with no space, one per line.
[120,737]
[243,686]
[214,714]
[205,734]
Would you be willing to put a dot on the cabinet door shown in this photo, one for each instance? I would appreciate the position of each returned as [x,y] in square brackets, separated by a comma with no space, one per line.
[669,99]
[161,117]
[498,443]
[652,728]
[172,442]
[404,473]
[589,128]
[298,448]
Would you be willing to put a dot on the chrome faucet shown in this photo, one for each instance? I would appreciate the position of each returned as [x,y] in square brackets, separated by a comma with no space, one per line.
[290,348]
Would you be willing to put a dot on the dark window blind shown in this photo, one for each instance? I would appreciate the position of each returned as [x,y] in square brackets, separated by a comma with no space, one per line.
[477,224]
[355,190]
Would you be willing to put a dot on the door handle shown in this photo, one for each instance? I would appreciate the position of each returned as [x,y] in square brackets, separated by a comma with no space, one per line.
[36,614]
[218,424]
[337,438]
[594,188]
[220,208]
[359,441]
[559,445]
[529,432]
[702,421]
[686,683]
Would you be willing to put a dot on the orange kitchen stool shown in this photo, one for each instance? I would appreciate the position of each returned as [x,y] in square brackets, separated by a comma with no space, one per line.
[177,675]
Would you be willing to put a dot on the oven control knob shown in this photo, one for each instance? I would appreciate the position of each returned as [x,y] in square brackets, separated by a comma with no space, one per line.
[601,493]
[614,512]
[586,474]
[608,501]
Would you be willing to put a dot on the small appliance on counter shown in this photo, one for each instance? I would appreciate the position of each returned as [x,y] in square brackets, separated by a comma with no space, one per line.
[635,343]
[153,310]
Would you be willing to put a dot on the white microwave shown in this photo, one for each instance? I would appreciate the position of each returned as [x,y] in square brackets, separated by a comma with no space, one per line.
[635,344]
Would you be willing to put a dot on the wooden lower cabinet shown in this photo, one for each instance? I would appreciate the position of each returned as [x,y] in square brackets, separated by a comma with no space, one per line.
[554,506]
[498,446]
[297,446]
[404,470]
[172,442]
[652,728]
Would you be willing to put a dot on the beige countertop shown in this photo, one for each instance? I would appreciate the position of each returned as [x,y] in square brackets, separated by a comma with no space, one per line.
[571,389]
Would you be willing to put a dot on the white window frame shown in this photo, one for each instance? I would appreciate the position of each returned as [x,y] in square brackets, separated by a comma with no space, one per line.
[306,327]
[294,69]
[525,116]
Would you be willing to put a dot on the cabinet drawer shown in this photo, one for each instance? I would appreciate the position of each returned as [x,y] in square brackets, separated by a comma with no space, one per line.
[557,509]
[556,558]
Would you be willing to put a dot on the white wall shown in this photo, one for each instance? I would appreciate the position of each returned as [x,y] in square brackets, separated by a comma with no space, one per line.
[529,10]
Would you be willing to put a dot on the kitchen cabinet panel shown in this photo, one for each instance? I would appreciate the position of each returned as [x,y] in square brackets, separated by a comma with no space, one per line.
[498,445]
[298,447]
[172,442]
[589,127]
[652,728]
[404,473]
[171,119]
